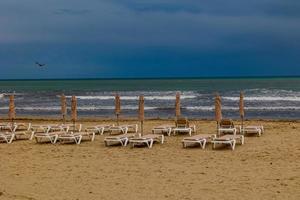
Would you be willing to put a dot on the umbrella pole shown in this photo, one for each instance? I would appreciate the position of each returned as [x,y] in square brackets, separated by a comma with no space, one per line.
[242,132]
[118,119]
[218,128]
[74,126]
[142,127]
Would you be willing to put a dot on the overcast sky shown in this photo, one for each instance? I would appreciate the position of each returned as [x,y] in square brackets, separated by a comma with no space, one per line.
[155,38]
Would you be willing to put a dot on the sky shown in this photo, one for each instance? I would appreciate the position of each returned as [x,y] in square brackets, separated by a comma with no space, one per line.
[154,38]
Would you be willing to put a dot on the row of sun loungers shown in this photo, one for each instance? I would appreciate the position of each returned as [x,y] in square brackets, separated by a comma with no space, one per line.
[226,135]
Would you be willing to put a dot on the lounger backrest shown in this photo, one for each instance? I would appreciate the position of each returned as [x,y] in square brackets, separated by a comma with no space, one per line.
[182,123]
[22,127]
[226,123]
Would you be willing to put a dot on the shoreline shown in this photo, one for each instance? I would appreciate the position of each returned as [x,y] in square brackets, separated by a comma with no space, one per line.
[99,119]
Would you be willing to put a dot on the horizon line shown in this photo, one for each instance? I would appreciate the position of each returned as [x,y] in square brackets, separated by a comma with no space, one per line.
[150,78]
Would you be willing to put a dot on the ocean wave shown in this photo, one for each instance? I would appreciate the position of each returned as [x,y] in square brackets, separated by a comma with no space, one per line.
[258,108]
[162,97]
[263,98]
[80,108]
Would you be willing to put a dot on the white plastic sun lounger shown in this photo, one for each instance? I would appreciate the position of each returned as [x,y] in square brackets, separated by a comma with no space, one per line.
[226,126]
[90,135]
[147,139]
[70,137]
[228,139]
[201,139]
[259,130]
[35,129]
[118,129]
[22,129]
[98,129]
[163,129]
[131,127]
[118,139]
[48,136]
[182,125]
[7,137]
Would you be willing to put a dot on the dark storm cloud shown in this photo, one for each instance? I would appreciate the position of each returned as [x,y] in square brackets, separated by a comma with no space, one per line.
[118,36]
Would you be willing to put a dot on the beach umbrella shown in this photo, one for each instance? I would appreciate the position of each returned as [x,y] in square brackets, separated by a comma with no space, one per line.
[218,110]
[141,112]
[11,110]
[177,105]
[74,110]
[241,108]
[63,108]
[117,107]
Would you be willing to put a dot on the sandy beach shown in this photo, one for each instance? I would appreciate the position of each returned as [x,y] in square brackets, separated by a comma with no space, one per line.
[265,167]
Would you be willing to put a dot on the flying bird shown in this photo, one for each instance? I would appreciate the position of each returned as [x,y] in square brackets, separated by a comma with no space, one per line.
[39,64]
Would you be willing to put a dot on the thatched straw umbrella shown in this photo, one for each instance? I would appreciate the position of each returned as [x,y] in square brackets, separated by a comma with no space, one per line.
[177,105]
[218,110]
[63,108]
[12,111]
[117,107]
[241,109]
[74,111]
[141,113]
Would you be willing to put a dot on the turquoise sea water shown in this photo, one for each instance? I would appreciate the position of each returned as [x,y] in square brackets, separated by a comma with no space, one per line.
[269,98]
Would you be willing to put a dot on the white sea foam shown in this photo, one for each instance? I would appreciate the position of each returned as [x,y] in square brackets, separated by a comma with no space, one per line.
[259,108]
[162,97]
[264,98]
[82,108]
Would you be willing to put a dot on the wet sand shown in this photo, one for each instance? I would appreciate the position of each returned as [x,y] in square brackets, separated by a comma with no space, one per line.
[266,167]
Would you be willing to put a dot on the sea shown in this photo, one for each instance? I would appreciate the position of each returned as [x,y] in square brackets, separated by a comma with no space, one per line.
[265,97]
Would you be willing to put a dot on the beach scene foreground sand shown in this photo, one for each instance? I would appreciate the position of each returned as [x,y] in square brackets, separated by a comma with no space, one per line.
[265,167]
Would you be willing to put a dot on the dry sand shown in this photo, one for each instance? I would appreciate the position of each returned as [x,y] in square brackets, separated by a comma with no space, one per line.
[266,167]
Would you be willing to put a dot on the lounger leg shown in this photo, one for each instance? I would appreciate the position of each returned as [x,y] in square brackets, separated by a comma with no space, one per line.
[125,142]
[233,144]
[204,143]
[190,132]
[162,139]
[31,136]
[242,140]
[169,132]
[55,139]
[151,143]
[79,139]
[93,136]
[11,139]
[259,132]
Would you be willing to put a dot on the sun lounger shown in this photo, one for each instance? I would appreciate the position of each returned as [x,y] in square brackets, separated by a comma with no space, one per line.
[38,129]
[226,126]
[118,129]
[131,127]
[90,135]
[7,137]
[70,137]
[182,126]
[228,139]
[118,139]
[98,129]
[163,129]
[147,139]
[68,127]
[201,139]
[22,129]
[48,136]
[259,130]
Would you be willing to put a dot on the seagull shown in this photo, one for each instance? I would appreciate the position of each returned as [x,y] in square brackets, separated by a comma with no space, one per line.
[39,64]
